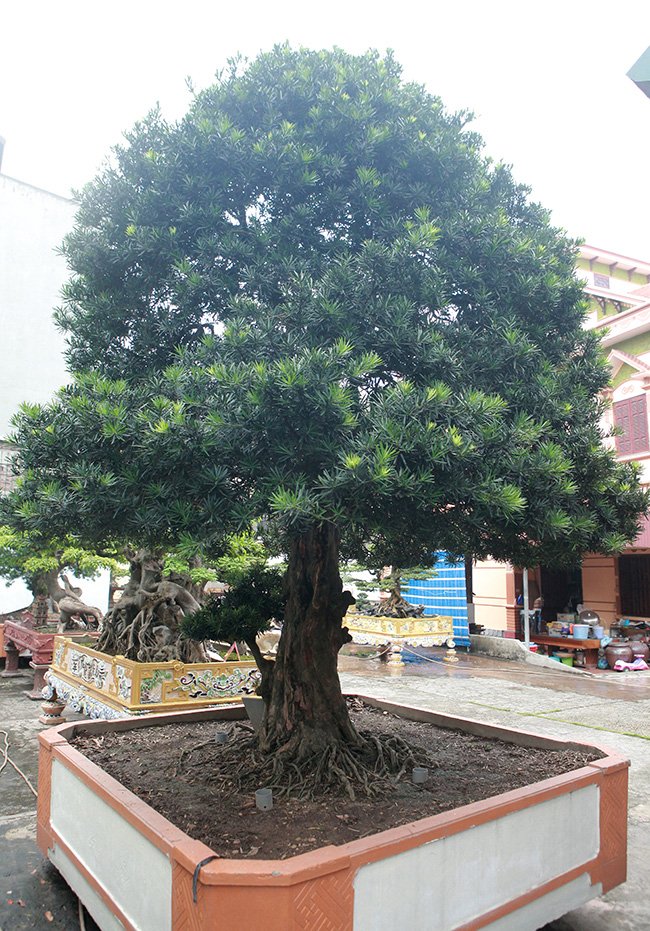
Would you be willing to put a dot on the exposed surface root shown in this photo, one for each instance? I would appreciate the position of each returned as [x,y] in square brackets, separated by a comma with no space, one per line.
[463,768]
[370,770]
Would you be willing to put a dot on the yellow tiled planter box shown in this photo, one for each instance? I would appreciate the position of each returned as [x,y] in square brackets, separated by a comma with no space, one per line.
[104,686]
[415,631]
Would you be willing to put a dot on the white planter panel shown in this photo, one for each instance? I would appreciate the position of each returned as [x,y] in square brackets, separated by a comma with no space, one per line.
[126,865]
[93,902]
[450,881]
[548,907]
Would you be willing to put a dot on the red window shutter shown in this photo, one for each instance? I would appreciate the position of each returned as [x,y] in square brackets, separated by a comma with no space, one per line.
[632,418]
[639,419]
[622,421]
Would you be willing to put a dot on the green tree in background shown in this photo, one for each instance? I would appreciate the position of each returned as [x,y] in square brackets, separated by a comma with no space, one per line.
[43,567]
[313,302]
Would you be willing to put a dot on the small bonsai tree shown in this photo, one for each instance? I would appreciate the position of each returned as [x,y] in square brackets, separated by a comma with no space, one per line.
[42,566]
[254,597]
[386,579]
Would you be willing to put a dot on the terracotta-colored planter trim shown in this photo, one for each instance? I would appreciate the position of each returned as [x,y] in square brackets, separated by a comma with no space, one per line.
[448,823]
[479,728]
[612,867]
[152,825]
[43,801]
[168,838]
[383,844]
[331,868]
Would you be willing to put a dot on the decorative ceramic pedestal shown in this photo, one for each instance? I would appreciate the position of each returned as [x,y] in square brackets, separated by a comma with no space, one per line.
[52,708]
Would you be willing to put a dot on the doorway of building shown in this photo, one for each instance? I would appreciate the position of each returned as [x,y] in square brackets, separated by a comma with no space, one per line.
[561,590]
[634,585]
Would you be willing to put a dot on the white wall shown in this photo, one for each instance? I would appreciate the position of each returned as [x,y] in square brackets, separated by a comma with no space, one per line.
[94,592]
[32,225]
[490,584]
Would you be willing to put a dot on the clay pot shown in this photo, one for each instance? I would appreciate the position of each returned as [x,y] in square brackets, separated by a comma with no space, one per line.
[639,648]
[618,649]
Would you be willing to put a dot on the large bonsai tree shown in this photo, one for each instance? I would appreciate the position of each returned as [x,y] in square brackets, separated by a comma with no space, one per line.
[313,302]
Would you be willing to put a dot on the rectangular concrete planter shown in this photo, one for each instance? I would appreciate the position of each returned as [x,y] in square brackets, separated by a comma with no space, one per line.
[114,687]
[509,863]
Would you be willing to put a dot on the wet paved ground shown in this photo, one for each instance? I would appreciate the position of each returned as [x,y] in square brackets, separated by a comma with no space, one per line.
[607,708]
[627,686]
[32,894]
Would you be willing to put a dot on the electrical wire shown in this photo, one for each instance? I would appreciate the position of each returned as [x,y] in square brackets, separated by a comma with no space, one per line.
[7,759]
[387,650]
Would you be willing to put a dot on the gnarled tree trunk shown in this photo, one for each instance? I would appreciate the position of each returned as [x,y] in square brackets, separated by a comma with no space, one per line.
[70,606]
[306,712]
[143,624]
[66,600]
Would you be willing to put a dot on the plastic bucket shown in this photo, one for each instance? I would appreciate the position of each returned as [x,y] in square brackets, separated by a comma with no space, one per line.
[567,660]
[581,631]
[599,632]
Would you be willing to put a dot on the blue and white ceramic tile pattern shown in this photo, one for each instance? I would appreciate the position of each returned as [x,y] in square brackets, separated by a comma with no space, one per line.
[443,594]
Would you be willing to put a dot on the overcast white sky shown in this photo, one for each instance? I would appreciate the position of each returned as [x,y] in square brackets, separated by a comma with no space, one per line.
[547,82]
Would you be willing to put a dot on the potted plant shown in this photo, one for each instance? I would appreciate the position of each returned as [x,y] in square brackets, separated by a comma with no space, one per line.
[133,868]
[146,660]
[314,308]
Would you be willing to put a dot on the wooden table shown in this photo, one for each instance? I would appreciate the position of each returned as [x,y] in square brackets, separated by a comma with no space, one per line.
[590,646]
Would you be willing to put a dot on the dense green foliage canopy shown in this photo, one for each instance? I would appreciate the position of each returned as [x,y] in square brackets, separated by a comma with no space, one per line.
[313,300]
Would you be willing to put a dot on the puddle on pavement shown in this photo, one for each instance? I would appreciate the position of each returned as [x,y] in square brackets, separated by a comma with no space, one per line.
[598,684]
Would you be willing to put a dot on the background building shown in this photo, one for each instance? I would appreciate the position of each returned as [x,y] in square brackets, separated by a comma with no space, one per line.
[33,224]
[619,288]
[614,586]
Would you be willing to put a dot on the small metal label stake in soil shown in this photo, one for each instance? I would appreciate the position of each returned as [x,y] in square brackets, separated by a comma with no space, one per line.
[420,774]
[264,799]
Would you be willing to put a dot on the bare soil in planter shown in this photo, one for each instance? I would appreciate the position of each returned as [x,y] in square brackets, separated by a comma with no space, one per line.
[172,767]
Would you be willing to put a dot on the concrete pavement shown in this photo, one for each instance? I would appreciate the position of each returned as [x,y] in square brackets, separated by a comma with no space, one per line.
[32,893]
[607,708]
